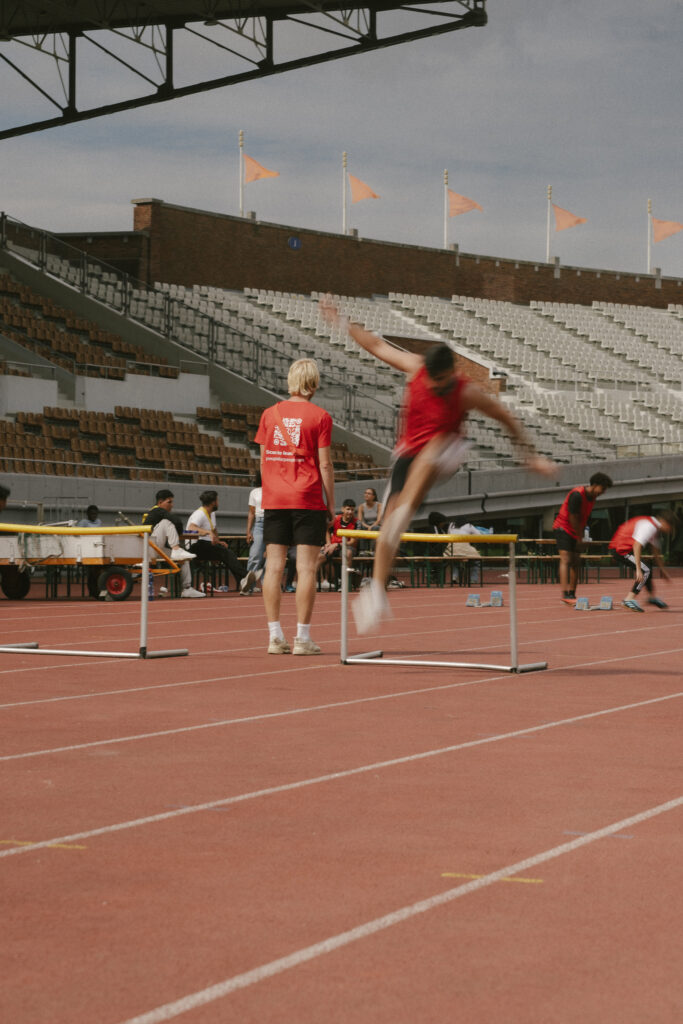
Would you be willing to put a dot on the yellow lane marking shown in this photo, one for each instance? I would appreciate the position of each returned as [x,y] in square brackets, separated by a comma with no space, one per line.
[52,846]
[460,874]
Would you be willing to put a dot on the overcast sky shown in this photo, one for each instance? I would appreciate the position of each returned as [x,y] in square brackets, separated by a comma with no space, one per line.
[582,95]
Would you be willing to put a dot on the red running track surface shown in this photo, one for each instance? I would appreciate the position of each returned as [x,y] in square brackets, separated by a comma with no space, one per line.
[233,837]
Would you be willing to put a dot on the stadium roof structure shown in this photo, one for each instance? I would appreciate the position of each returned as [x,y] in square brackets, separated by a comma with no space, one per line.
[119,54]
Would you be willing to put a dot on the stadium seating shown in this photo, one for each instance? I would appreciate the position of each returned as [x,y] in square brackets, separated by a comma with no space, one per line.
[73,343]
[588,382]
[145,444]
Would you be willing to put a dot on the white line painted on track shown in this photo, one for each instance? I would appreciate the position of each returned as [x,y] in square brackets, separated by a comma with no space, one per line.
[248,675]
[221,723]
[301,956]
[333,776]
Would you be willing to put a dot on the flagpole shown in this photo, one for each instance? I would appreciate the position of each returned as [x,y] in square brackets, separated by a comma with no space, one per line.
[547,228]
[241,174]
[649,236]
[344,162]
[445,209]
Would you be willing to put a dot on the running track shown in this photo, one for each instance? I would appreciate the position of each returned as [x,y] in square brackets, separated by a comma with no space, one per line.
[232,837]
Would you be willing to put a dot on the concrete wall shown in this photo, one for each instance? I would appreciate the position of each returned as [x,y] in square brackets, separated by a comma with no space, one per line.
[26,394]
[486,498]
[179,397]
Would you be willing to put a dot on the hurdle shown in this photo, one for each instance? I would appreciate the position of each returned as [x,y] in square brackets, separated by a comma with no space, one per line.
[377,657]
[73,531]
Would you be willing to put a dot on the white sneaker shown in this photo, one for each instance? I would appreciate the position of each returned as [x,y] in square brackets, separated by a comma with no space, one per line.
[191,592]
[247,583]
[370,607]
[181,555]
[325,585]
[278,645]
[305,647]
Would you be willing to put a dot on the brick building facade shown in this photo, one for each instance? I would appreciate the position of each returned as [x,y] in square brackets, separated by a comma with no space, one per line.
[179,245]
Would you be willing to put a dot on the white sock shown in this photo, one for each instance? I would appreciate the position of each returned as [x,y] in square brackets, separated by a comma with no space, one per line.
[303,631]
[275,630]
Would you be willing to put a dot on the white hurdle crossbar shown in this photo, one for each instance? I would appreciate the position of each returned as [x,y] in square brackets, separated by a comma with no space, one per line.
[142,652]
[377,657]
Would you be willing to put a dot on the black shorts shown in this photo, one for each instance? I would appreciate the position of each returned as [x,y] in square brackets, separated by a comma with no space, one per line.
[399,473]
[564,541]
[291,526]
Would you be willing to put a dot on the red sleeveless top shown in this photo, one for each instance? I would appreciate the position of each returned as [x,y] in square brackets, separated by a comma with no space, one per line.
[562,521]
[426,414]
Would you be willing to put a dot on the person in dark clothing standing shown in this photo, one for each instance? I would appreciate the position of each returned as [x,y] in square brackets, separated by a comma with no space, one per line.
[570,523]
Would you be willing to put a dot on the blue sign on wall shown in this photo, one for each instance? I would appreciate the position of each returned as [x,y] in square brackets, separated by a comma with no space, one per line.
[294,243]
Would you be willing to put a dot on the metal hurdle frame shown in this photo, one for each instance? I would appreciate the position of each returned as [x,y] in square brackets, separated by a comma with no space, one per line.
[377,657]
[143,652]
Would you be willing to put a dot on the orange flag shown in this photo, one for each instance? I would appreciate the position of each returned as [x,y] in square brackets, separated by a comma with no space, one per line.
[565,219]
[359,190]
[253,171]
[460,204]
[663,228]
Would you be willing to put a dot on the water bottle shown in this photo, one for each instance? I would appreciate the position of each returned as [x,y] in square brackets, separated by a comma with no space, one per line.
[150,588]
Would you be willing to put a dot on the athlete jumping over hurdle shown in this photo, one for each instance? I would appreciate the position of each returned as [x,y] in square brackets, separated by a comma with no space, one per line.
[627,546]
[430,448]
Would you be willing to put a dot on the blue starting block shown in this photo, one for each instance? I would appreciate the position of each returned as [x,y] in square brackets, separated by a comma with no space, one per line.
[496,600]
[583,605]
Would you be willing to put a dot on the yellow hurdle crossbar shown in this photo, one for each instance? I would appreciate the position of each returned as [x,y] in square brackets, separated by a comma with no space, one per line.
[22,528]
[441,538]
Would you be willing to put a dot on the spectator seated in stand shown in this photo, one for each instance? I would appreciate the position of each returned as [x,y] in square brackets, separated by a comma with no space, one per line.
[209,547]
[166,532]
[332,549]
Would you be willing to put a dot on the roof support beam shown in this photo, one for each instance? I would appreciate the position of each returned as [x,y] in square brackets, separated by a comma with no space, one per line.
[356,29]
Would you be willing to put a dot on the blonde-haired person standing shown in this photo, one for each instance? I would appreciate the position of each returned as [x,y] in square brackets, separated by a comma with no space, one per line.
[298,497]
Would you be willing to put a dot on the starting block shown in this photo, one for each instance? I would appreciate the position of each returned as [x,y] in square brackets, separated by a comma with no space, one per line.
[496,601]
[605,605]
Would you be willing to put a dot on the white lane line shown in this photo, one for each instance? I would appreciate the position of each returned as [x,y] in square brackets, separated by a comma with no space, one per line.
[249,675]
[331,777]
[239,981]
[438,611]
[221,723]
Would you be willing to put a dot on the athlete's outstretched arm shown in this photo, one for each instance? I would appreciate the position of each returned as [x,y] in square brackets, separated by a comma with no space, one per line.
[474,398]
[407,362]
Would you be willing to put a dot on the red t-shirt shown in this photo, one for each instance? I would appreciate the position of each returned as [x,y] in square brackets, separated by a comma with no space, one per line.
[426,414]
[339,524]
[292,479]
[562,520]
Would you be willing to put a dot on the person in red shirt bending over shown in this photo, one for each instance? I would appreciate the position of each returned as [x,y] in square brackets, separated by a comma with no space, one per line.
[298,496]
[570,522]
[627,547]
[430,448]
